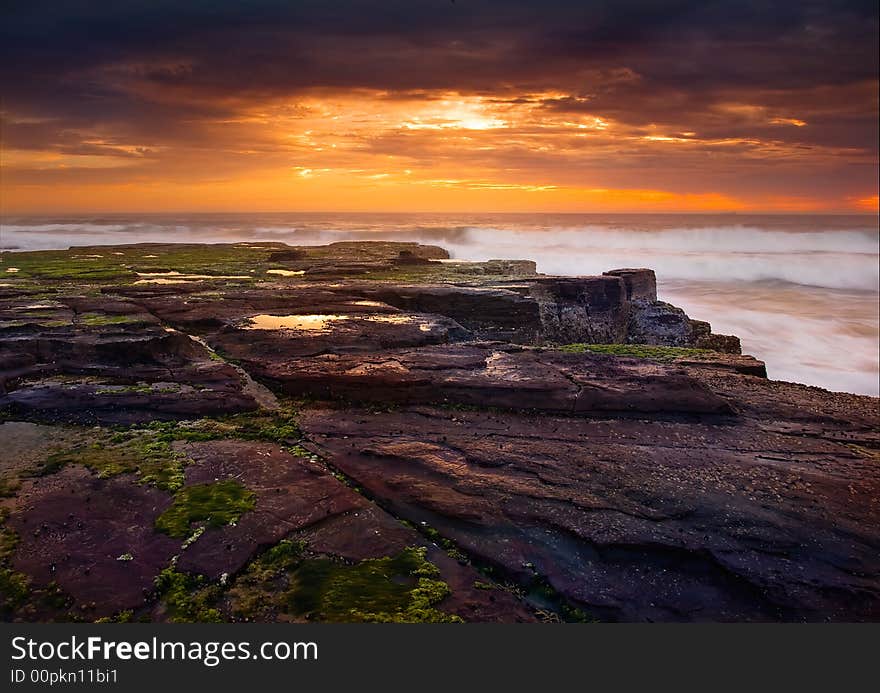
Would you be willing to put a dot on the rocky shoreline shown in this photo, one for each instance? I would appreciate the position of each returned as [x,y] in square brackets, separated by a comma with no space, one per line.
[374,432]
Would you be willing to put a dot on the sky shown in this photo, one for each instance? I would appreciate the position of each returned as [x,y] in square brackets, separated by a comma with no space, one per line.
[439,105]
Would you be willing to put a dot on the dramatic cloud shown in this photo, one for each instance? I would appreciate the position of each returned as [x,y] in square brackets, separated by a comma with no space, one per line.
[433,105]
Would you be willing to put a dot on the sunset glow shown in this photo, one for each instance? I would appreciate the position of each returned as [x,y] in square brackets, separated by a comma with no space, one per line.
[463,122]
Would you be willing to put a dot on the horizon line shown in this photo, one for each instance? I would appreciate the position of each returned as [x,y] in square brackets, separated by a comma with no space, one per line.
[448,212]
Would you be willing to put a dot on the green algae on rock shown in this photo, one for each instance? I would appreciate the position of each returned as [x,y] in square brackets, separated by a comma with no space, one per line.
[14,590]
[104,319]
[153,461]
[640,351]
[251,261]
[272,426]
[403,588]
[217,504]
[8,541]
[187,598]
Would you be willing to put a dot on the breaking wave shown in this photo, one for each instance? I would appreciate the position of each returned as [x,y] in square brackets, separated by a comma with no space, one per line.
[833,258]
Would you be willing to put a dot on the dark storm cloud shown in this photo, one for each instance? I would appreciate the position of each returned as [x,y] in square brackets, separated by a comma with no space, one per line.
[402,44]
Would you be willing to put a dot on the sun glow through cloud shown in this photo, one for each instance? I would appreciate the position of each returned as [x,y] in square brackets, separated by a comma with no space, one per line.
[496,121]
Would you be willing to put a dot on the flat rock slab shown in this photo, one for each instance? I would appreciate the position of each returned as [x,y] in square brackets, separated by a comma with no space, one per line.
[95,538]
[488,312]
[100,359]
[806,408]
[205,312]
[79,530]
[299,498]
[737,363]
[26,445]
[202,389]
[632,520]
[268,336]
[497,375]
[370,532]
[291,493]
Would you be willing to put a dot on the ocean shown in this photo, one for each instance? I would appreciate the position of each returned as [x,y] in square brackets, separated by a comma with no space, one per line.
[801,291]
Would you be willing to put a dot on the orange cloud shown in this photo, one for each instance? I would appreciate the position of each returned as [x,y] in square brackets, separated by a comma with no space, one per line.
[371,150]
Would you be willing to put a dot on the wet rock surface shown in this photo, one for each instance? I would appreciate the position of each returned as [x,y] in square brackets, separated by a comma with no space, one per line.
[78,531]
[536,448]
[101,359]
[495,375]
[632,519]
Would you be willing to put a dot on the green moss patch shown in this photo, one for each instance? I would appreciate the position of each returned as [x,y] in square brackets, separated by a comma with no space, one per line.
[641,351]
[15,589]
[216,505]
[404,588]
[102,319]
[142,388]
[147,451]
[71,265]
[188,598]
[271,426]
[8,542]
[153,461]
[123,263]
